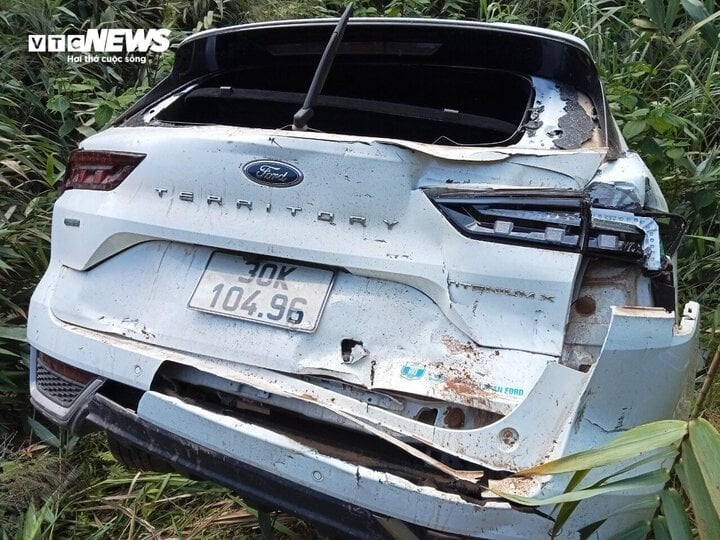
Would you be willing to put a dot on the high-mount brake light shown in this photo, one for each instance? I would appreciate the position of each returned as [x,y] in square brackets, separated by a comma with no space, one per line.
[566,222]
[98,170]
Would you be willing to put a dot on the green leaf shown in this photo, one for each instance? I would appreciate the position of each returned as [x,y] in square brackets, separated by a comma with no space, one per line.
[644,503]
[675,153]
[265,521]
[676,518]
[695,8]
[639,531]
[567,509]
[660,529]
[627,445]
[629,101]
[671,13]
[659,124]
[634,128]
[103,114]
[705,441]
[703,19]
[66,128]
[656,11]
[50,170]
[704,198]
[688,470]
[32,524]
[648,480]
[86,131]
[58,104]
[34,520]
[46,436]
[7,352]
[14,333]
[645,24]
[589,530]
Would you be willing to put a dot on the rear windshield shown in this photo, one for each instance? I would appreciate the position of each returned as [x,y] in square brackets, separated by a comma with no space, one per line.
[413,101]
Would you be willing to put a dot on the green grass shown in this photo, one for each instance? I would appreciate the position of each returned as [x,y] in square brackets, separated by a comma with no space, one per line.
[659,63]
[77,490]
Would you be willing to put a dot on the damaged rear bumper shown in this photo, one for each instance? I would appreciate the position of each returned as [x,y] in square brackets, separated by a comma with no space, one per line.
[258,486]
[274,471]
[638,377]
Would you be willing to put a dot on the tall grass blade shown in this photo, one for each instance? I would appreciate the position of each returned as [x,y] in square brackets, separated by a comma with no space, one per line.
[14,333]
[673,7]
[660,529]
[656,11]
[699,13]
[627,445]
[697,26]
[676,517]
[265,520]
[653,479]
[642,504]
[46,436]
[693,483]
[705,442]
[567,509]
[639,531]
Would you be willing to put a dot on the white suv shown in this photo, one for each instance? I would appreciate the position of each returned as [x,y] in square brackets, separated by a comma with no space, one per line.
[367,302]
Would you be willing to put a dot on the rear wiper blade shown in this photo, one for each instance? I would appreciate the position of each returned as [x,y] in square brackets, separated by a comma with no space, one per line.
[305,113]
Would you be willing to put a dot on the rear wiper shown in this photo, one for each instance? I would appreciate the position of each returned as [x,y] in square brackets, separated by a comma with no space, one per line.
[305,113]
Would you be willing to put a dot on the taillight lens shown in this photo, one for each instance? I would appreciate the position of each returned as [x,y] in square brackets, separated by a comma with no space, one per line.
[564,221]
[99,170]
[65,370]
[550,221]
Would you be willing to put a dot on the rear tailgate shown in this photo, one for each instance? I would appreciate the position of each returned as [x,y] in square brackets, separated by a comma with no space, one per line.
[360,208]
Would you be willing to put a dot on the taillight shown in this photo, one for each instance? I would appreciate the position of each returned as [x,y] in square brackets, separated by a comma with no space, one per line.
[99,170]
[550,221]
[65,370]
[564,221]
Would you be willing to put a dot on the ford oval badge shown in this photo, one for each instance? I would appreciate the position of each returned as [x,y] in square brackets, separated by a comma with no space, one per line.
[273,173]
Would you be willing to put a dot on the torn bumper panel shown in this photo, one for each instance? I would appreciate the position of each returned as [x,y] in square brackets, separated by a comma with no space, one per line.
[320,476]
[642,344]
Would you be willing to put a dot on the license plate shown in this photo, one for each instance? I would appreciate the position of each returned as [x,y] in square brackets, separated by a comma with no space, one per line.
[264,291]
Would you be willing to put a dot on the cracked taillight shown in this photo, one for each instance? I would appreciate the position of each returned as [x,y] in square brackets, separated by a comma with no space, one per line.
[566,222]
[98,170]
[548,221]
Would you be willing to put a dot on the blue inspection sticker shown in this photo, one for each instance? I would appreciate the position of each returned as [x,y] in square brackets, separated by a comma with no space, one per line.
[409,371]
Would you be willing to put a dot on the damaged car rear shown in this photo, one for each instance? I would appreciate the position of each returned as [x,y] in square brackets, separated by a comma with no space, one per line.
[364,271]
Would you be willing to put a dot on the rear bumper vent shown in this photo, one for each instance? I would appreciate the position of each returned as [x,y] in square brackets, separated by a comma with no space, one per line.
[57,388]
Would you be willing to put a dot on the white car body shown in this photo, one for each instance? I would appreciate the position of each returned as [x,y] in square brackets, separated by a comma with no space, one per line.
[462,359]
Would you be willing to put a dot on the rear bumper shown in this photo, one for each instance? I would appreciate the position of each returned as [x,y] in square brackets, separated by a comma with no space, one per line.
[273,471]
[643,350]
[259,487]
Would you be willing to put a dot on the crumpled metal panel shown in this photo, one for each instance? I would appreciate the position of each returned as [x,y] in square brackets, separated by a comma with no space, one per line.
[436,360]
[383,493]
[643,368]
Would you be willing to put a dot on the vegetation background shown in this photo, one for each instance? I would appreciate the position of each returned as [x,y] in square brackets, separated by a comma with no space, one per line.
[659,63]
